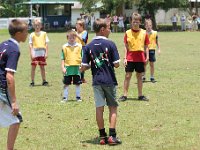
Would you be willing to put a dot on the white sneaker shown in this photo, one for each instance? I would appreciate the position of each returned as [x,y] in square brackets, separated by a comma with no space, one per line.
[64,100]
[78,99]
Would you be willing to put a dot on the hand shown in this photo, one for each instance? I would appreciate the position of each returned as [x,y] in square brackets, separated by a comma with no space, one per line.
[158,51]
[15,108]
[46,56]
[125,62]
[147,59]
[64,70]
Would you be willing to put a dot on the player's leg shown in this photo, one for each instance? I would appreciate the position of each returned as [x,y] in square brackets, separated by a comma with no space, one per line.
[33,67]
[12,135]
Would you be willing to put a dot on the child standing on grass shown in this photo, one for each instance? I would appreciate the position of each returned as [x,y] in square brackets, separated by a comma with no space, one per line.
[9,56]
[103,56]
[71,61]
[135,40]
[153,38]
[38,45]
[82,38]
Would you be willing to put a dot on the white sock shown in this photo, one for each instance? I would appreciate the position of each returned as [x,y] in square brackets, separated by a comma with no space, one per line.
[78,91]
[65,92]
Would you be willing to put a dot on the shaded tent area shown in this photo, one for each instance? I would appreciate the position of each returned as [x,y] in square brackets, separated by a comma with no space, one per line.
[54,13]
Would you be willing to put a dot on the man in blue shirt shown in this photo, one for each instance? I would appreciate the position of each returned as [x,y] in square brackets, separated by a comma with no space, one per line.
[103,56]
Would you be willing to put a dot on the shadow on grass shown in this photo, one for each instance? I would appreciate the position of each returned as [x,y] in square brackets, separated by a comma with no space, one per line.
[94,141]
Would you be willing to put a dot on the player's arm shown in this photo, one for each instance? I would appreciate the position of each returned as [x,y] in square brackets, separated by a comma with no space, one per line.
[31,47]
[47,47]
[158,45]
[63,63]
[47,50]
[146,46]
[11,88]
[125,50]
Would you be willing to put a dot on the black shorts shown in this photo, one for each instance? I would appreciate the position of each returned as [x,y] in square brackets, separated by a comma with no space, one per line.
[75,78]
[137,66]
[152,57]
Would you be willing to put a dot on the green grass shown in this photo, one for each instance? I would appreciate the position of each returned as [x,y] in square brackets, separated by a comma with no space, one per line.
[169,121]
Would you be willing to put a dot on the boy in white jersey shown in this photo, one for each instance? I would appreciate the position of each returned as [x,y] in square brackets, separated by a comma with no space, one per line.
[38,44]
[153,38]
[70,63]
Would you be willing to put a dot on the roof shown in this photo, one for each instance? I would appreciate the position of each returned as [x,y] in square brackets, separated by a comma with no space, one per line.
[51,2]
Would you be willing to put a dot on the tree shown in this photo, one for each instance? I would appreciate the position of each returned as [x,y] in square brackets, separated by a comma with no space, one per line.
[13,8]
[152,6]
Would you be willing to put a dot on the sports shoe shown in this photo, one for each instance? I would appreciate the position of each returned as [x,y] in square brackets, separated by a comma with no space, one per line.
[113,140]
[103,140]
[152,80]
[123,98]
[32,84]
[83,80]
[143,98]
[143,79]
[78,99]
[64,100]
[45,83]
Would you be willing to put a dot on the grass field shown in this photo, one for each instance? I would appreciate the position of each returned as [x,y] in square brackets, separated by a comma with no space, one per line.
[169,121]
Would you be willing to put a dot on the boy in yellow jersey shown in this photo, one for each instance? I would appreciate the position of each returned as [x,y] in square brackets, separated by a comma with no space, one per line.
[71,61]
[82,38]
[38,44]
[153,38]
[135,40]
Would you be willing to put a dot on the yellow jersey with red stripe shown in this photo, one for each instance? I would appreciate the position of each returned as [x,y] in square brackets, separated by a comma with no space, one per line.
[152,38]
[72,54]
[136,40]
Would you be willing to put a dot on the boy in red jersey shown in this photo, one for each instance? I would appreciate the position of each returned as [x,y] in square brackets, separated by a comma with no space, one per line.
[136,41]
[153,38]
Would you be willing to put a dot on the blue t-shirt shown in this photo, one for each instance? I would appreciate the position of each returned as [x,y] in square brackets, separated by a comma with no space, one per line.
[9,56]
[102,54]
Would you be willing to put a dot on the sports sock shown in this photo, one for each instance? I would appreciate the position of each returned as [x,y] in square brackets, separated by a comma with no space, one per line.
[112,132]
[78,91]
[102,132]
[65,92]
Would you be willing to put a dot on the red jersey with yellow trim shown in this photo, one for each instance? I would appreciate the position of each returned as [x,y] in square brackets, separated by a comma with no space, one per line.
[136,40]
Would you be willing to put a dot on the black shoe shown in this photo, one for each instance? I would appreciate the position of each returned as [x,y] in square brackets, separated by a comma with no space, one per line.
[32,84]
[123,98]
[45,83]
[143,98]
[103,140]
[143,79]
[113,140]
[152,80]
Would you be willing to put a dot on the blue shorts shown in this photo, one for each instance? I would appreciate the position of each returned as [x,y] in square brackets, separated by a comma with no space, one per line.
[105,95]
[152,56]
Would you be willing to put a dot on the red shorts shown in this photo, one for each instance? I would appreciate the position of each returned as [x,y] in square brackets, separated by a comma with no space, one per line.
[39,61]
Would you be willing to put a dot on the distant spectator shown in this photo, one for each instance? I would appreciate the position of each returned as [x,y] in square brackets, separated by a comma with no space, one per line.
[92,19]
[115,23]
[55,24]
[183,20]
[198,22]
[121,22]
[189,23]
[174,20]
[194,22]
[109,20]
[126,22]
